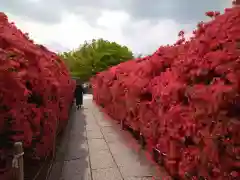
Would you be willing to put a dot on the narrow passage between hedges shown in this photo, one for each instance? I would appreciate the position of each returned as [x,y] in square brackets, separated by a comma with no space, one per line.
[97,149]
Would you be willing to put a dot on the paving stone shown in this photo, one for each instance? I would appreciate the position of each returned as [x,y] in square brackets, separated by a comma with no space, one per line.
[104,122]
[90,118]
[111,129]
[88,115]
[112,151]
[118,148]
[136,171]
[62,145]
[112,137]
[106,174]
[105,116]
[81,176]
[97,113]
[79,118]
[76,150]
[140,178]
[126,158]
[84,175]
[96,145]
[78,136]
[92,127]
[101,159]
[91,124]
[91,121]
[94,134]
[56,171]
[74,168]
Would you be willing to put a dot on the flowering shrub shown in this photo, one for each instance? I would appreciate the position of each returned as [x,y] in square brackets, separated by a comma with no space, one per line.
[184,99]
[36,92]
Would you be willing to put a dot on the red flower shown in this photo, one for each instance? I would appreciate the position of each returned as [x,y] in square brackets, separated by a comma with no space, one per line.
[29,75]
[184,99]
[210,13]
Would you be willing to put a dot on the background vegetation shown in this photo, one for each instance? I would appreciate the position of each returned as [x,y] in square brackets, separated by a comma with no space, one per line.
[95,56]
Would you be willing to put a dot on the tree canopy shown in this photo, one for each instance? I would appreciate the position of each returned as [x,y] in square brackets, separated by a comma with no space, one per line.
[95,56]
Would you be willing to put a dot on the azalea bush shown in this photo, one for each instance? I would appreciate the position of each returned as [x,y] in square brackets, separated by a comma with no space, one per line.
[184,99]
[36,92]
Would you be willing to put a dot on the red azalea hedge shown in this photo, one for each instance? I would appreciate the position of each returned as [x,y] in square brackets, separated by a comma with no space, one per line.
[185,99]
[36,92]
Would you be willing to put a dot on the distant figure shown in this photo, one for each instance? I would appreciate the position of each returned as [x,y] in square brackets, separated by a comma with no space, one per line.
[79,95]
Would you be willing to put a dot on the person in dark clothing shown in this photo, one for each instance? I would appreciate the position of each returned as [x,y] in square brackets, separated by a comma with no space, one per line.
[79,95]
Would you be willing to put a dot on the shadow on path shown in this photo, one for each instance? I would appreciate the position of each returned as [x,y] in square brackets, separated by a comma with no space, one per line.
[72,151]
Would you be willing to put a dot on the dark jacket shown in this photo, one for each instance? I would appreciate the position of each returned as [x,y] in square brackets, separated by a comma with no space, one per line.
[79,90]
[79,94]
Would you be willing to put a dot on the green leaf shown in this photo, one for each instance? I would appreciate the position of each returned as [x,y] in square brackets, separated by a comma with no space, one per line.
[95,56]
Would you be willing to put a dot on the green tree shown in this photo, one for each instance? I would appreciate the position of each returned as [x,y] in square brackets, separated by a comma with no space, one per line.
[95,56]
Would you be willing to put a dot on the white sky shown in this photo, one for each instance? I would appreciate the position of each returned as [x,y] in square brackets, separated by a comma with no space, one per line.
[140,24]
[111,25]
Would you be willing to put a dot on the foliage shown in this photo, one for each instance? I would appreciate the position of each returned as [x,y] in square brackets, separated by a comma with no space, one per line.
[184,99]
[36,93]
[95,56]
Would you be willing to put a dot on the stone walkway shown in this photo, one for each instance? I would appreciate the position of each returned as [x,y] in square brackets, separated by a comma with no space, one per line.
[97,149]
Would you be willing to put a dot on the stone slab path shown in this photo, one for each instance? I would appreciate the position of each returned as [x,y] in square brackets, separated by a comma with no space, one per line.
[95,148]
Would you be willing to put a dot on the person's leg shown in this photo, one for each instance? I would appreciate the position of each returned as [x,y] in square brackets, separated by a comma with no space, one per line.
[81,101]
[77,102]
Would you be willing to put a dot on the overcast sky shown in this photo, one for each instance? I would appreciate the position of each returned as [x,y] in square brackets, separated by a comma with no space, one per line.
[142,25]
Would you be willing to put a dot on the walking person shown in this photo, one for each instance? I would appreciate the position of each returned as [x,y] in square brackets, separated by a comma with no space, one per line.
[79,95]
